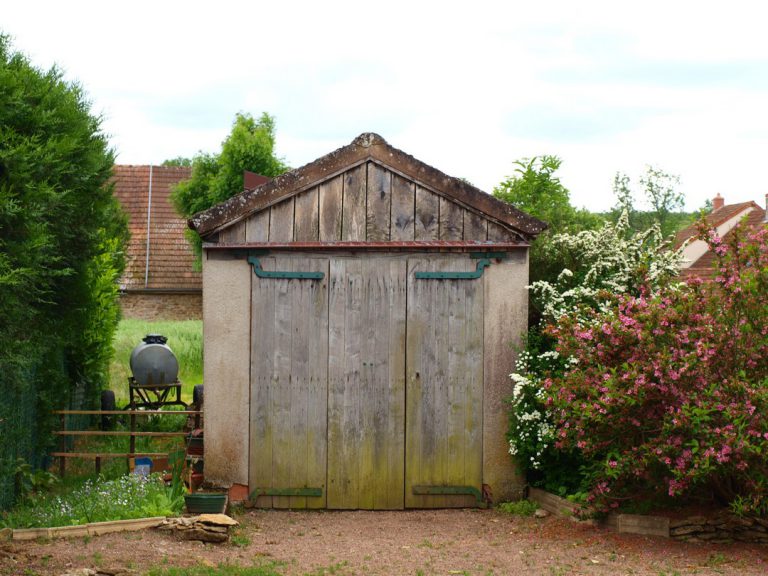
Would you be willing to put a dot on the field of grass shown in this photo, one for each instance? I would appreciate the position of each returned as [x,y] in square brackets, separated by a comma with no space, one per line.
[185,338]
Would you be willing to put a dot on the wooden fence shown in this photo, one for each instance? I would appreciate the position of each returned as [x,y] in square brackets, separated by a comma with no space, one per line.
[63,454]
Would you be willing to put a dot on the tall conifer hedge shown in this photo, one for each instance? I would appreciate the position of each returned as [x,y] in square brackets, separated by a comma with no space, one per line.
[62,236]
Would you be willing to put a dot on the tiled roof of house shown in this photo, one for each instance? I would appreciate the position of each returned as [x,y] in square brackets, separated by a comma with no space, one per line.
[170,256]
[715,219]
[752,216]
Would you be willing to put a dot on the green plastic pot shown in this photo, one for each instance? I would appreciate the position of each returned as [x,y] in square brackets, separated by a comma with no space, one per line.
[206,502]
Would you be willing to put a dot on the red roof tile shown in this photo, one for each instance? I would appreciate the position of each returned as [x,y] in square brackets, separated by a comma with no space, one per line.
[705,265]
[170,256]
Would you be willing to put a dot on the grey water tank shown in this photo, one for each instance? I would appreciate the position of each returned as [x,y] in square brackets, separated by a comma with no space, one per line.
[153,362]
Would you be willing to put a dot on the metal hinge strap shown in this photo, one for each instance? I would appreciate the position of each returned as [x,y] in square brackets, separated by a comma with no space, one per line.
[483,261]
[261,273]
[451,491]
[311,492]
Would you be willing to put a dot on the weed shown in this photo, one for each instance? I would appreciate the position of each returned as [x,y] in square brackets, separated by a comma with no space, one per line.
[98,500]
[338,568]
[715,560]
[519,508]
[240,540]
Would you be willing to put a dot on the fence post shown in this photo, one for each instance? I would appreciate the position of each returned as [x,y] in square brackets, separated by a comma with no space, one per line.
[132,442]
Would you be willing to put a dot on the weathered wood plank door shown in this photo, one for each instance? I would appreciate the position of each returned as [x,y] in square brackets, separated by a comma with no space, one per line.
[444,375]
[289,384]
[366,372]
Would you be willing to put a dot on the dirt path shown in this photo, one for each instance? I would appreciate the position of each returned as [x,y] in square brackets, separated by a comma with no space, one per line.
[413,543]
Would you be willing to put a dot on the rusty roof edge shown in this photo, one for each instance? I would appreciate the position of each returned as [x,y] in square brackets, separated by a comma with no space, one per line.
[417,245]
[366,146]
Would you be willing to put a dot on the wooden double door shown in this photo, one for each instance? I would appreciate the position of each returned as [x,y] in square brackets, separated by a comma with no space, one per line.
[367,384]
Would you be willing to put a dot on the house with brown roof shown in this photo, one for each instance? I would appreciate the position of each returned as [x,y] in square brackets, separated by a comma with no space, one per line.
[698,260]
[159,282]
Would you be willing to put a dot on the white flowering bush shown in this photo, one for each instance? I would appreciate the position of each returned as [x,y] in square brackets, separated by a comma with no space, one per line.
[607,263]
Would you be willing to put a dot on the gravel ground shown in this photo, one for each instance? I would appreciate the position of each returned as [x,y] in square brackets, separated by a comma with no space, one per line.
[425,542]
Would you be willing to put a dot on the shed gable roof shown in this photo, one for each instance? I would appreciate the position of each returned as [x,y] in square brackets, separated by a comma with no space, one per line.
[366,147]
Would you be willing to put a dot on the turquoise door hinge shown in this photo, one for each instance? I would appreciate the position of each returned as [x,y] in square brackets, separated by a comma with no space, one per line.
[483,261]
[310,492]
[261,273]
[451,491]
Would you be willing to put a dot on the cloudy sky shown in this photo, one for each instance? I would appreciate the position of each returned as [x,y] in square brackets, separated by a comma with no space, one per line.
[467,87]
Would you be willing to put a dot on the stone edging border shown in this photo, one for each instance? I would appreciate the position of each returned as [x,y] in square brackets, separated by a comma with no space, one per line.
[721,528]
[92,529]
[623,523]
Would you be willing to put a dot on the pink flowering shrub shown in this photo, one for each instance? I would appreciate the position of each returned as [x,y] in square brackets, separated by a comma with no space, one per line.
[668,394]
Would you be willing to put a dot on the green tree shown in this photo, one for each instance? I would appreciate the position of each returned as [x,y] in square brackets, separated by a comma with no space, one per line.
[216,177]
[659,192]
[535,189]
[179,161]
[62,238]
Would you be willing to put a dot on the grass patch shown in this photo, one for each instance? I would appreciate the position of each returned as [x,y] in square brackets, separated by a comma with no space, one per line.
[185,338]
[519,508]
[98,500]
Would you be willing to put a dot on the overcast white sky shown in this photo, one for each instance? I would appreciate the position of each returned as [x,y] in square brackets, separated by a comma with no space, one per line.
[467,87]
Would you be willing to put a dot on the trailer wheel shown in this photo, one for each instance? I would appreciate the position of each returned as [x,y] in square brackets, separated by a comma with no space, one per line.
[198,396]
[107,403]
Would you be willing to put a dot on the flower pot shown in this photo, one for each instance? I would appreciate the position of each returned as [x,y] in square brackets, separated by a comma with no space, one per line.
[206,502]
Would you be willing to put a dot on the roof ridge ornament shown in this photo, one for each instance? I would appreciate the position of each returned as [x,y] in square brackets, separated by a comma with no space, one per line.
[368,139]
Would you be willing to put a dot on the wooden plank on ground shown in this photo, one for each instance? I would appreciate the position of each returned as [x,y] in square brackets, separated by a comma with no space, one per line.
[451,220]
[306,219]
[403,207]
[427,222]
[331,195]
[379,203]
[281,221]
[353,208]
[551,503]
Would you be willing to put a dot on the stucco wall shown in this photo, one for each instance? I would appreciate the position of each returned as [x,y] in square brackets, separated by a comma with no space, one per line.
[506,321]
[160,306]
[227,342]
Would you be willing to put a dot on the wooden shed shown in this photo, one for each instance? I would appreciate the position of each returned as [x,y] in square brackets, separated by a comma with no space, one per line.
[359,315]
